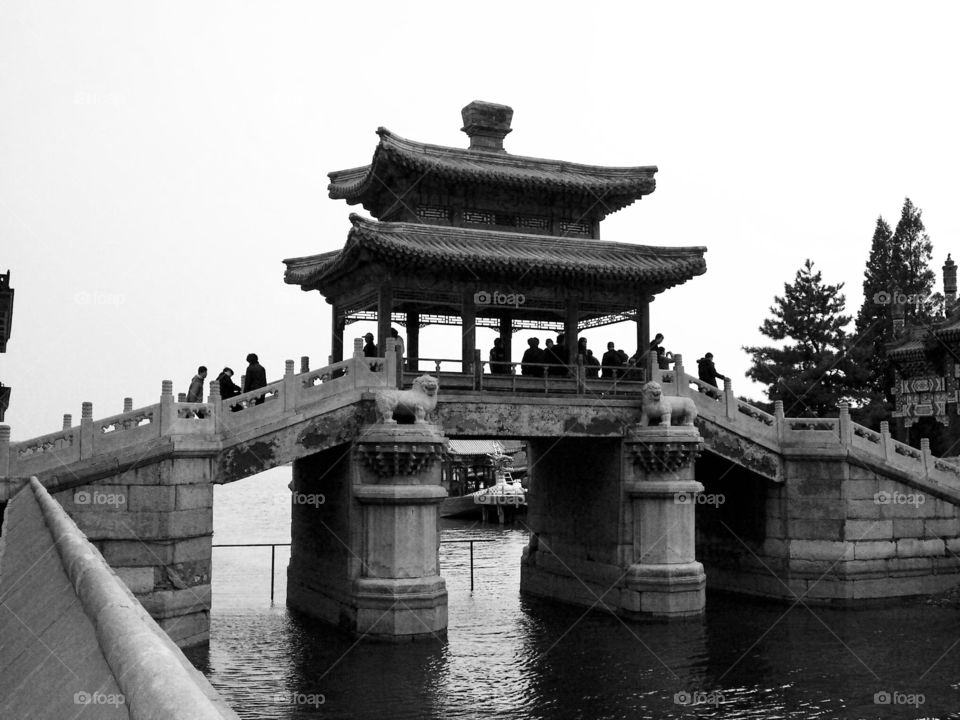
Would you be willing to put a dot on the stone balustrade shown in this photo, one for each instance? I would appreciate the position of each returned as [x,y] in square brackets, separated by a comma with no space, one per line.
[296,391]
[169,417]
[725,408]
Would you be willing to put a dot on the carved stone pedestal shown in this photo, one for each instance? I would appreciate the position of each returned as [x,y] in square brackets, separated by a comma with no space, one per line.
[664,578]
[383,581]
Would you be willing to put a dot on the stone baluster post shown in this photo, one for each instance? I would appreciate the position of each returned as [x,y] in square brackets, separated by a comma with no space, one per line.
[926,456]
[778,418]
[289,386]
[680,375]
[390,364]
[305,363]
[477,370]
[168,412]
[885,450]
[128,407]
[730,399]
[216,403]
[845,425]
[181,397]
[4,451]
[86,430]
[358,347]
[67,421]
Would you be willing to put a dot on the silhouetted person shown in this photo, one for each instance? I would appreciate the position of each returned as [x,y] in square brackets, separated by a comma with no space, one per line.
[592,369]
[611,360]
[396,336]
[664,358]
[498,358]
[228,388]
[369,348]
[707,371]
[530,363]
[255,378]
[195,393]
[642,358]
[557,357]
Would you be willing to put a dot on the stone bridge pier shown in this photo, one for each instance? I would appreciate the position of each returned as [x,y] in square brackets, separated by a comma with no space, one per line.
[612,523]
[365,534]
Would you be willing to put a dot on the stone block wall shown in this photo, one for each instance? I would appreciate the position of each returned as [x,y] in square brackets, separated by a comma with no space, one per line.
[839,532]
[154,525]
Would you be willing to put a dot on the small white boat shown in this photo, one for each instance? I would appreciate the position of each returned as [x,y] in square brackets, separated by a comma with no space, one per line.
[505,494]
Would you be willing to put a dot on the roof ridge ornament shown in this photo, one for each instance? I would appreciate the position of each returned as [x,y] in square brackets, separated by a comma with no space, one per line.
[486,124]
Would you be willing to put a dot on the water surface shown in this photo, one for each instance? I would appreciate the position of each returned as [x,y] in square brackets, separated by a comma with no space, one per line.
[508,656]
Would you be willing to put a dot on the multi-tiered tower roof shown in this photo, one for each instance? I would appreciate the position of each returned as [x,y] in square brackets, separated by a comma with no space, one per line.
[478,236]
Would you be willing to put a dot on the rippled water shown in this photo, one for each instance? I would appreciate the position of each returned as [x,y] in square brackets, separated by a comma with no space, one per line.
[508,656]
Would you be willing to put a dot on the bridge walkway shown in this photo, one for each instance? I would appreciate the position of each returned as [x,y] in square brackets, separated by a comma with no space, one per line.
[314,409]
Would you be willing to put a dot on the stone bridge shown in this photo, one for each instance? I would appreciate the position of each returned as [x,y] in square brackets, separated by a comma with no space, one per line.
[811,506]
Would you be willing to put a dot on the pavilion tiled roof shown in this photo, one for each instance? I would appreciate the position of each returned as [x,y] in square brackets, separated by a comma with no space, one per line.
[916,339]
[482,253]
[474,447]
[612,188]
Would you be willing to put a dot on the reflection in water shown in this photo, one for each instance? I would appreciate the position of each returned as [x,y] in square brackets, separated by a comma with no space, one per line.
[508,656]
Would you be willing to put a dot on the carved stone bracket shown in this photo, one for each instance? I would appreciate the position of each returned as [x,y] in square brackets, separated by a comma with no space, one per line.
[399,458]
[398,450]
[657,450]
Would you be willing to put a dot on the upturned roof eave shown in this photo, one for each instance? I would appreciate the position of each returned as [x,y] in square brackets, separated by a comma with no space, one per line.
[352,184]
[390,242]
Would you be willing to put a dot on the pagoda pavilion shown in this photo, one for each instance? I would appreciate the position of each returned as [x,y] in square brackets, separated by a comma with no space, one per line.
[926,362]
[479,237]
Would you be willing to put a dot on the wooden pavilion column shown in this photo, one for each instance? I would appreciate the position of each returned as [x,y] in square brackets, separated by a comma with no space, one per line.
[338,326]
[413,339]
[384,317]
[643,327]
[506,334]
[570,329]
[469,337]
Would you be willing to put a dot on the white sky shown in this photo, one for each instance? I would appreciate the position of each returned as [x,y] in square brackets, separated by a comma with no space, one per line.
[158,161]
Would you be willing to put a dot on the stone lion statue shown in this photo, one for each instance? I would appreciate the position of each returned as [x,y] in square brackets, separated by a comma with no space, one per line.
[417,401]
[670,410]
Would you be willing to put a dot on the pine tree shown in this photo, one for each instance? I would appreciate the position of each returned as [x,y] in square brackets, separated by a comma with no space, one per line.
[812,372]
[898,268]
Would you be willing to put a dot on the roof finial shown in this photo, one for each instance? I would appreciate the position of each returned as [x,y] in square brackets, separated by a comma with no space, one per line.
[486,124]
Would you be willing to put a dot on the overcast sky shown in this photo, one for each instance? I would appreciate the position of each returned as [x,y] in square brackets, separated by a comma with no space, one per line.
[158,161]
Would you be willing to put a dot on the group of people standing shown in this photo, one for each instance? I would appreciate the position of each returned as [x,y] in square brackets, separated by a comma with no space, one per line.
[254,379]
[552,360]
[536,362]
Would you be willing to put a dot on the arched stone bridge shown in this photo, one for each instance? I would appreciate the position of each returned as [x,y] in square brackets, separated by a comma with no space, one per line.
[310,411]
[827,509]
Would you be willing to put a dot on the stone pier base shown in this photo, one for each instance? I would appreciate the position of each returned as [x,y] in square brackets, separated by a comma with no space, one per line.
[366,535]
[613,524]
